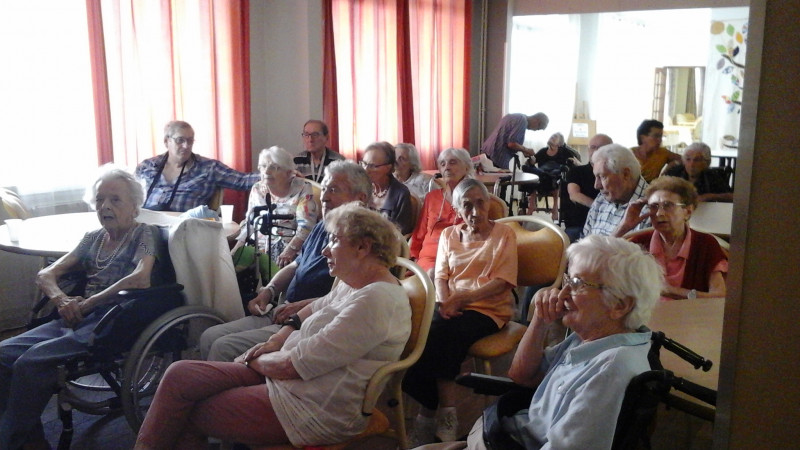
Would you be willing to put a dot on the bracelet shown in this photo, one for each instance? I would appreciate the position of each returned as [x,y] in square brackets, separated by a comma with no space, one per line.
[271,290]
[293,321]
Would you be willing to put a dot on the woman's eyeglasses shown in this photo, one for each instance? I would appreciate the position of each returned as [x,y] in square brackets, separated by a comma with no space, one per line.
[667,207]
[576,283]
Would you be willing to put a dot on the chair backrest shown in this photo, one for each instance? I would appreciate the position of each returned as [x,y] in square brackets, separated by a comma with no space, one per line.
[497,207]
[541,254]
[13,204]
[216,200]
[421,297]
[416,208]
[316,188]
[202,261]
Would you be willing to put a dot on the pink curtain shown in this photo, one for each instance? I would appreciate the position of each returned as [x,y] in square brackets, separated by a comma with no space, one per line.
[401,73]
[176,59]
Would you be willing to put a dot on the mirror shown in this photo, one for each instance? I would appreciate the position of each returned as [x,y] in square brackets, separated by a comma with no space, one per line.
[678,103]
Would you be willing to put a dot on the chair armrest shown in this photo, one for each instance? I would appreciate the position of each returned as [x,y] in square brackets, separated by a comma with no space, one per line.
[128,297]
[489,384]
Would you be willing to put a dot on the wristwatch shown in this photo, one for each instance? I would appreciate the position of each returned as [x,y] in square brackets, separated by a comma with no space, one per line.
[293,321]
[692,294]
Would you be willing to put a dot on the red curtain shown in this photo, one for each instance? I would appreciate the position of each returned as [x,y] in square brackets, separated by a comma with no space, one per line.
[400,73]
[160,60]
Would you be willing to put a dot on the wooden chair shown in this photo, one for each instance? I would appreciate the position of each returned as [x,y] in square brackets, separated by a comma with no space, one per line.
[497,207]
[216,200]
[542,258]
[419,288]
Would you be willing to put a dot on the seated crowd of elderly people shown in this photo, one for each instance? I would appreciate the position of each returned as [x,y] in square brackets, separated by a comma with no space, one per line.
[269,378]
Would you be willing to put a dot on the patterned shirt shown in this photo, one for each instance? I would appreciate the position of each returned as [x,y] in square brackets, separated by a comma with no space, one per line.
[197,185]
[604,216]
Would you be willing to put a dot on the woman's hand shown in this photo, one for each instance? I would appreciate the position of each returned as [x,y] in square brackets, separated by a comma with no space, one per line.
[257,350]
[549,305]
[452,306]
[69,308]
[633,216]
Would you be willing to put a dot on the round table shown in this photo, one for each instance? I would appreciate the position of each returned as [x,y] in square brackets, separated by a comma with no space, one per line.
[56,235]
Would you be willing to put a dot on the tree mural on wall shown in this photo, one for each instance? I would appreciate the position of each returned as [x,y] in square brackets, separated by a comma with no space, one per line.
[731,44]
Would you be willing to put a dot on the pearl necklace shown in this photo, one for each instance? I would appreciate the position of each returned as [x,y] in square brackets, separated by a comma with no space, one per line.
[102,263]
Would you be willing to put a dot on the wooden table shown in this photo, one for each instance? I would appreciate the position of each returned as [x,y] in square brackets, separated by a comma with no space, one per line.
[713,217]
[56,235]
[697,324]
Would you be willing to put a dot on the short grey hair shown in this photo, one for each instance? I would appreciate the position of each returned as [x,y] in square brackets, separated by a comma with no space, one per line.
[700,147]
[356,177]
[413,156]
[462,155]
[616,157]
[279,156]
[625,270]
[354,222]
[544,121]
[386,148]
[109,172]
[173,125]
[465,186]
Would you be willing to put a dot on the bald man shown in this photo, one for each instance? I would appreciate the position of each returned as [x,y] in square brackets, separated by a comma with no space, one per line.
[581,191]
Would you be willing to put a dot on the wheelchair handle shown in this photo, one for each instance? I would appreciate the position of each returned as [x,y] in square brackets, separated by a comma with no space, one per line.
[685,353]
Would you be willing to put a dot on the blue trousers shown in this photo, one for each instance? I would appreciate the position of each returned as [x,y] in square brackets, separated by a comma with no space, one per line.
[29,374]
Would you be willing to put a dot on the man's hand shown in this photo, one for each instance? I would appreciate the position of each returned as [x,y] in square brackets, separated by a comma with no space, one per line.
[518,148]
[262,300]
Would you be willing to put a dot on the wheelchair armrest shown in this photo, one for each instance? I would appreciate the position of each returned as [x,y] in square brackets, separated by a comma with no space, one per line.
[154,290]
[128,297]
[489,384]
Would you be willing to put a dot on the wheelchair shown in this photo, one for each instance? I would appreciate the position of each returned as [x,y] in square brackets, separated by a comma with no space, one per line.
[639,405]
[130,349]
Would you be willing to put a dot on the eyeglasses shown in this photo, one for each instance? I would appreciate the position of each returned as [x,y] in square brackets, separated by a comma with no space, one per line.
[576,284]
[313,135]
[656,135]
[667,207]
[369,166]
[180,140]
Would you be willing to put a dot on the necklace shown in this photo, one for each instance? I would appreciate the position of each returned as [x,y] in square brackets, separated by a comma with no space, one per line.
[102,263]
[381,193]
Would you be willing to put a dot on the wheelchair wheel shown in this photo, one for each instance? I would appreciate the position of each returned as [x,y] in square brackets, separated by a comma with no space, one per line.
[172,337]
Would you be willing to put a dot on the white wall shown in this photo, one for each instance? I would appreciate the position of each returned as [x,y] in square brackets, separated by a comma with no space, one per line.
[285,71]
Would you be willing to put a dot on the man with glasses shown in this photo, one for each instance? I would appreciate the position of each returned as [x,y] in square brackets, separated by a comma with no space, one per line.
[620,207]
[711,183]
[301,281]
[312,161]
[180,180]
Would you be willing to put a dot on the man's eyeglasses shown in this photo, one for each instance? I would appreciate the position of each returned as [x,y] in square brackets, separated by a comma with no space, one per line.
[368,166]
[576,284]
[180,140]
[667,207]
[313,135]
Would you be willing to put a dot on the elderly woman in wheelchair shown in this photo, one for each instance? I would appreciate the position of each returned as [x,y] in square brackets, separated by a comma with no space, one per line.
[119,256]
[305,385]
[609,293]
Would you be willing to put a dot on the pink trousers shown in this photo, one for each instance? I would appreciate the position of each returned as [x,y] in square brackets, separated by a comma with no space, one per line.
[197,399]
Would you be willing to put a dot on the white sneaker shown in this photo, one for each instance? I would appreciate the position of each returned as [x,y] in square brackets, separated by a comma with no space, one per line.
[424,431]
[447,425]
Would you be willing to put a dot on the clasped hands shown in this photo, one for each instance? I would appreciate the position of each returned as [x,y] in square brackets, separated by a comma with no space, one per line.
[250,357]
[72,309]
[452,305]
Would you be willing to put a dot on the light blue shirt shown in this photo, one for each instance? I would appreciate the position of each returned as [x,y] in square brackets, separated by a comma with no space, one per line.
[577,404]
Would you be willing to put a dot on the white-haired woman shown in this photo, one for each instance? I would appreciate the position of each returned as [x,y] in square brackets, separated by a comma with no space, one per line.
[305,385]
[476,268]
[119,256]
[608,294]
[549,162]
[290,195]
[438,212]
[408,170]
[389,196]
